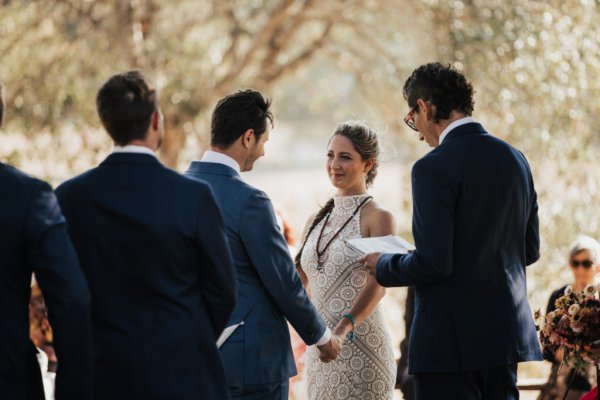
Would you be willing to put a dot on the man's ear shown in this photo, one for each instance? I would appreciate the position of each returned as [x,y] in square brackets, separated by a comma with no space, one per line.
[427,108]
[247,138]
[155,121]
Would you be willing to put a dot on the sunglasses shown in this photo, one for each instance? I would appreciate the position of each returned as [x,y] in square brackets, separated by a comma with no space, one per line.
[587,264]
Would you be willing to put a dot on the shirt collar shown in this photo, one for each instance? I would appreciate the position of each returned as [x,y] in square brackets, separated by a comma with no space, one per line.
[131,148]
[453,125]
[220,158]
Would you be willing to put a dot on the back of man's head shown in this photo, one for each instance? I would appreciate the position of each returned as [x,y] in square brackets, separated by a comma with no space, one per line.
[442,85]
[237,113]
[1,104]
[125,105]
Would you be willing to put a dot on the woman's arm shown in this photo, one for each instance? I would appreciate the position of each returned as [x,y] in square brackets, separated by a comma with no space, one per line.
[301,272]
[376,222]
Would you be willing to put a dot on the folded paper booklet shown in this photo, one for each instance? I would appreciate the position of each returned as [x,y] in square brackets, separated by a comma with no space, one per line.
[380,244]
[226,333]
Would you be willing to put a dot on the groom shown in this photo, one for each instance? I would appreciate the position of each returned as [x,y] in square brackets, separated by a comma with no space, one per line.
[475,226]
[258,356]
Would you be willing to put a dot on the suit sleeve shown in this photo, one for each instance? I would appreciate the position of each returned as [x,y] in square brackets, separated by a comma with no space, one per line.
[433,230]
[270,255]
[217,272]
[532,233]
[65,291]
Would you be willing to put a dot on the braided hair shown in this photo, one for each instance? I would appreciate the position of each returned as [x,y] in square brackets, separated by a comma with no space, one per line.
[326,209]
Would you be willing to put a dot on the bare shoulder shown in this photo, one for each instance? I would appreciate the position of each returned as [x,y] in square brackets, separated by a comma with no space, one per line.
[377,220]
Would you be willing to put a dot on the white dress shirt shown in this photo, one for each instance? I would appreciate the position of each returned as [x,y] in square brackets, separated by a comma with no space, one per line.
[131,148]
[220,158]
[455,124]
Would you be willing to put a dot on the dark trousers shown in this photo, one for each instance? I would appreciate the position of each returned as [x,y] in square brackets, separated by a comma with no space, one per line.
[499,383]
[268,391]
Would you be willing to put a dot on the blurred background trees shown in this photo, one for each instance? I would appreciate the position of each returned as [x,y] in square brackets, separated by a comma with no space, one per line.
[535,65]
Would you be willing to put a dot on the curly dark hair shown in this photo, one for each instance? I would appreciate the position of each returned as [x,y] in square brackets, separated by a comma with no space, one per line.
[442,85]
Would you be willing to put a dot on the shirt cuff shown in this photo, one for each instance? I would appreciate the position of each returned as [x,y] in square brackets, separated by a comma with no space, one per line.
[325,338]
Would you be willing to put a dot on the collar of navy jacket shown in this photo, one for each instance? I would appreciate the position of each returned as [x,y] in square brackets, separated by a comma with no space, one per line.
[466,129]
[211,168]
[130,158]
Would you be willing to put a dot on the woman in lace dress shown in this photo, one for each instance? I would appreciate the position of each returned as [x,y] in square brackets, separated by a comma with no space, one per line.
[345,295]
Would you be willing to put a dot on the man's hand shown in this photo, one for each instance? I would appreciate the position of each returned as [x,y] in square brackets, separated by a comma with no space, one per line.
[370,262]
[330,350]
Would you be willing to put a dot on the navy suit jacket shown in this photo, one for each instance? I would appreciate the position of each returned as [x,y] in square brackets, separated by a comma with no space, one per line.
[475,226]
[153,248]
[33,238]
[269,288]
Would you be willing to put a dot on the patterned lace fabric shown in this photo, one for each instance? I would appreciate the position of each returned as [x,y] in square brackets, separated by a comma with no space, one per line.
[366,368]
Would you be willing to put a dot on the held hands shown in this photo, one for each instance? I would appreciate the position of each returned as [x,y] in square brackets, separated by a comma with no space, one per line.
[370,262]
[330,350]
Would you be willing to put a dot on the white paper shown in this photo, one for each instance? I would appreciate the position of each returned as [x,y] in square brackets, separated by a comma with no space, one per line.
[226,333]
[380,244]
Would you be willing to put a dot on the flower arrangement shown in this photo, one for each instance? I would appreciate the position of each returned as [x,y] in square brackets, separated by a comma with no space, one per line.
[575,326]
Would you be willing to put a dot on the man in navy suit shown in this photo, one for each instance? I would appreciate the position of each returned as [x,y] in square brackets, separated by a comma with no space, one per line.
[153,247]
[33,238]
[258,355]
[475,226]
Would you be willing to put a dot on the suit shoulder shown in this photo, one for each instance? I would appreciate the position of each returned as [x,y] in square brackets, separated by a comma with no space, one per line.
[246,192]
[76,181]
[432,161]
[254,194]
[250,197]
[19,180]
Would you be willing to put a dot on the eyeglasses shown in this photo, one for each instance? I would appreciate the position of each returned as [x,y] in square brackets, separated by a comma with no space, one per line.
[587,264]
[409,118]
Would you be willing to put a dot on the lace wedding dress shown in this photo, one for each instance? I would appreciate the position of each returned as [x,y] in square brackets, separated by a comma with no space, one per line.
[365,369]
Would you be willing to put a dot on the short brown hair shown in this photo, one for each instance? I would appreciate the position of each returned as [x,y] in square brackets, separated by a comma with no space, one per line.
[125,105]
[236,113]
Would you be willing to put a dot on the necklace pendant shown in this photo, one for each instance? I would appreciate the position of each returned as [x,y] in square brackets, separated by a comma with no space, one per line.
[319,267]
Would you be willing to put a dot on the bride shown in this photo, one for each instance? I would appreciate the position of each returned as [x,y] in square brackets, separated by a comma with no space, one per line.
[343,292]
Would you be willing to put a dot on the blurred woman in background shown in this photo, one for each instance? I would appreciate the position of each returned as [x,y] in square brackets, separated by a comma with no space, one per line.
[584,264]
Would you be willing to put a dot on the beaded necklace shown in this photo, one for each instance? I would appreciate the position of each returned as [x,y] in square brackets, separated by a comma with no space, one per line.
[322,252]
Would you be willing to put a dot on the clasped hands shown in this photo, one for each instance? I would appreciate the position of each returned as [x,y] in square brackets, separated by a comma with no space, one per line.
[331,350]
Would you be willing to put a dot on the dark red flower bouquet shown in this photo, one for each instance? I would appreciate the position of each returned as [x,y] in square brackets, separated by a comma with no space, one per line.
[575,326]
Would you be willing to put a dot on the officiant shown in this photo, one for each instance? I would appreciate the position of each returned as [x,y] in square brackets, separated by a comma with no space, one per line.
[475,225]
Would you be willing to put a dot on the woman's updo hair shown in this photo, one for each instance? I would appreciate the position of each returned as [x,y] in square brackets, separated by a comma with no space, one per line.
[365,142]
